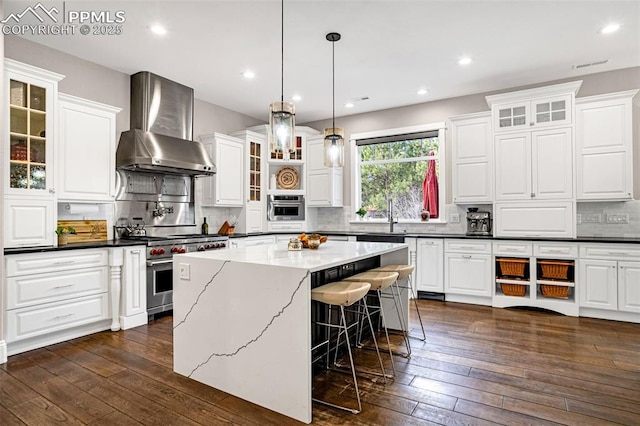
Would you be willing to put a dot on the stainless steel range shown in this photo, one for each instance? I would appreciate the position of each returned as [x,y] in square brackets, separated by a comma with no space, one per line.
[160,251]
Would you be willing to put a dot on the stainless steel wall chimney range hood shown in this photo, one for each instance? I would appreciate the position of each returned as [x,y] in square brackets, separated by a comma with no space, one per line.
[161,135]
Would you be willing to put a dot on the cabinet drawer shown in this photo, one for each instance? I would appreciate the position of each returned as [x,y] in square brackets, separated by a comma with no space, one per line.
[289,226]
[21,264]
[555,250]
[512,248]
[610,252]
[42,319]
[44,288]
[467,246]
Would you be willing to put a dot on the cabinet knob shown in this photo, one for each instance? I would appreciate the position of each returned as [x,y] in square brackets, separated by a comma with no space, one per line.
[531,124]
[52,190]
[533,195]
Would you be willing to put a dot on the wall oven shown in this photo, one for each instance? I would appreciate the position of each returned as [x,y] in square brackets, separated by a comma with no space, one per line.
[285,207]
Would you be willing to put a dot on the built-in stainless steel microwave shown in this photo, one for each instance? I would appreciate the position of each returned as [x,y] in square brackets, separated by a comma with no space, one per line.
[285,207]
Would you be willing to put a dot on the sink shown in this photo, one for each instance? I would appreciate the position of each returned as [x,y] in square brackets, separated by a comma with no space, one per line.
[381,238]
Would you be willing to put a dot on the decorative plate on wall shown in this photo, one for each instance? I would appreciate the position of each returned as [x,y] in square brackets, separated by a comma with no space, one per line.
[287,178]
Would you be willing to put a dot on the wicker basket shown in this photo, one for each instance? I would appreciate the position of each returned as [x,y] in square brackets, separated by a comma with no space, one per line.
[556,291]
[512,267]
[513,289]
[554,269]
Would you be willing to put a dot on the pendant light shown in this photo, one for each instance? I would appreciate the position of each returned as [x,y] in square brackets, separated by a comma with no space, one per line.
[282,114]
[333,136]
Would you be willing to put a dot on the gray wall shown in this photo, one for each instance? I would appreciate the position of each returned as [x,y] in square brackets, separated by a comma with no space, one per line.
[441,110]
[97,83]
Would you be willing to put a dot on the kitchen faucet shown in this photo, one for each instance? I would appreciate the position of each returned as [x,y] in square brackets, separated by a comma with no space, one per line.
[390,214]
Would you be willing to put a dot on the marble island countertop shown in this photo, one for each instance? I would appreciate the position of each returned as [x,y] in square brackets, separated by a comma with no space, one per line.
[330,254]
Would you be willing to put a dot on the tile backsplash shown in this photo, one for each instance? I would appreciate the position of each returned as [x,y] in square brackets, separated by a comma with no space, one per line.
[341,219]
[593,219]
[594,223]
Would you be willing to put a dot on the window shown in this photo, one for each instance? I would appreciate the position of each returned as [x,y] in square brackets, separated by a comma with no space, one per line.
[393,165]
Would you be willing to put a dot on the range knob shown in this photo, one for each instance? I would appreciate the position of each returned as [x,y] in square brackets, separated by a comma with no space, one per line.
[222,245]
[161,251]
[153,252]
[201,248]
[175,250]
[208,246]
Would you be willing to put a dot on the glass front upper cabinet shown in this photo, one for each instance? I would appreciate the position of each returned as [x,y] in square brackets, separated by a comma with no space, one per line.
[28,138]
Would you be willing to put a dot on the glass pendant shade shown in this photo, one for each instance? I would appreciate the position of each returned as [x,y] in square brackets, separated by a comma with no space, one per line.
[282,127]
[333,147]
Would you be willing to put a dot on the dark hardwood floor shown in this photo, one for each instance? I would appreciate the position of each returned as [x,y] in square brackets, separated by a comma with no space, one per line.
[478,366]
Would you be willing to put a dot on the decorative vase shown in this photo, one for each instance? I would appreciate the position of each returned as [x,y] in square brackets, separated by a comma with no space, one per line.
[63,239]
[424,215]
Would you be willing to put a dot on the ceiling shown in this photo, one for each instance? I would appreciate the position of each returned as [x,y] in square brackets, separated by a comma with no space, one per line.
[389,49]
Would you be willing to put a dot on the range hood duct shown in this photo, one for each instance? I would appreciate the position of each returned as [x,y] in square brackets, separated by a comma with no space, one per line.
[161,135]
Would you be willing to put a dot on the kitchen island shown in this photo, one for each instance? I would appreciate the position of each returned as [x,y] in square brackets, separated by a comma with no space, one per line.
[242,317]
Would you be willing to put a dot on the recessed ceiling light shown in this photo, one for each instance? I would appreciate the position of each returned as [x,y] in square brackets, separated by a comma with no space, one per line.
[296,98]
[465,60]
[422,91]
[248,74]
[158,29]
[349,105]
[611,28]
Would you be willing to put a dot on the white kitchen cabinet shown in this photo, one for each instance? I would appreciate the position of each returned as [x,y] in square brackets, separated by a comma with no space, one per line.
[324,184]
[536,274]
[55,296]
[540,219]
[629,286]
[467,271]
[430,265]
[133,306]
[604,146]
[472,158]
[225,188]
[253,216]
[29,134]
[86,150]
[534,108]
[610,281]
[29,222]
[534,165]
[599,284]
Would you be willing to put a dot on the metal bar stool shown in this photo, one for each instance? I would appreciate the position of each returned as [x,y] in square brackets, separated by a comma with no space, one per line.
[404,271]
[343,294]
[380,281]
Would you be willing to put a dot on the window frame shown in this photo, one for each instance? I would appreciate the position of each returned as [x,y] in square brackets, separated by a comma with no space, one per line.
[356,192]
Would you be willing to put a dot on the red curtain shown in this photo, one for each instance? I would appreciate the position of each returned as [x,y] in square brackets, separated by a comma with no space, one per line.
[430,190]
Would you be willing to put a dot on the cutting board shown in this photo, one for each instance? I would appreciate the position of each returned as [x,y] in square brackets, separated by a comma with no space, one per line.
[86,230]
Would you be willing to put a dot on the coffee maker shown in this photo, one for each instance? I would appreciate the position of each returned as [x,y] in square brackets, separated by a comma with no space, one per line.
[478,222]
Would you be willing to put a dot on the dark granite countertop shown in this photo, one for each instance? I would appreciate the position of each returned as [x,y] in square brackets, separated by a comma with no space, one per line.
[74,246]
[124,243]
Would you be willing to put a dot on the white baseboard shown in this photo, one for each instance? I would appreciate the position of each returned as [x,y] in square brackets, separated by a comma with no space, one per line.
[3,352]
[133,320]
[474,300]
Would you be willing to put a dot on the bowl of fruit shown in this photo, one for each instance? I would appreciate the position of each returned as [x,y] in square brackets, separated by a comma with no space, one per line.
[312,241]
